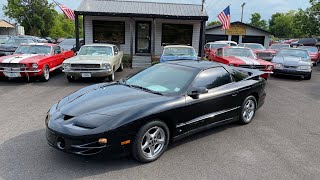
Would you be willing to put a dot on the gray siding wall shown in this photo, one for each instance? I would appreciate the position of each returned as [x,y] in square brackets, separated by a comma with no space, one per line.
[158,31]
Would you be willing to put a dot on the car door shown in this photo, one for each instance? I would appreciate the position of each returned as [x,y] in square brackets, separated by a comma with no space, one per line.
[219,104]
[58,57]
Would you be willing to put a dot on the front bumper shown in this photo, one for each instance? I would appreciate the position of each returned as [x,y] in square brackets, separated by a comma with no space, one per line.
[93,73]
[75,145]
[19,72]
[291,72]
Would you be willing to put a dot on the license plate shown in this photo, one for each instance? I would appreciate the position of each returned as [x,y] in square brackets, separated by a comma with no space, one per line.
[12,74]
[86,74]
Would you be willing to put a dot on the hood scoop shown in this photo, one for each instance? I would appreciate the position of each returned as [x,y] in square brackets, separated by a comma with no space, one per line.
[67,117]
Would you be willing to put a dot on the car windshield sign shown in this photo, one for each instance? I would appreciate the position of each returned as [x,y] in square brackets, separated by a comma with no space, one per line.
[164,78]
[179,51]
[33,49]
[293,53]
[96,51]
[240,52]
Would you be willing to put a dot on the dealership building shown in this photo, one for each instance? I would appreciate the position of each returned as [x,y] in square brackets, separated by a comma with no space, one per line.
[142,28]
[238,32]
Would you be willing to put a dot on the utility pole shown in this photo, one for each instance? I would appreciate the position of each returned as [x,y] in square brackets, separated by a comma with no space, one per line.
[203,1]
[242,6]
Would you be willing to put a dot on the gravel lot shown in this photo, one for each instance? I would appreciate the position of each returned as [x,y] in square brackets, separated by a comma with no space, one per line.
[283,141]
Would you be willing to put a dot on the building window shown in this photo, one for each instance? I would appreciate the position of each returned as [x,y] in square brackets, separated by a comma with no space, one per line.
[109,32]
[174,34]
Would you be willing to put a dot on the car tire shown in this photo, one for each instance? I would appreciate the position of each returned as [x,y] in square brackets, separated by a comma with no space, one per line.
[248,110]
[45,76]
[111,77]
[308,77]
[151,141]
[71,79]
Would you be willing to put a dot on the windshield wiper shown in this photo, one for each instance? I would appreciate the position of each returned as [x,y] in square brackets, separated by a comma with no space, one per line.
[145,89]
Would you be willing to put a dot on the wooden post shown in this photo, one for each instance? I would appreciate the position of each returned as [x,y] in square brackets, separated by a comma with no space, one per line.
[131,37]
[153,51]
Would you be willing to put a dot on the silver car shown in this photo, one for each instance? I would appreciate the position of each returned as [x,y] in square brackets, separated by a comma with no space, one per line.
[294,62]
[94,60]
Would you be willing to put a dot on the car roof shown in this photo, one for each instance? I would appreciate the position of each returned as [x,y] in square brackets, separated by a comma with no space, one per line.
[169,46]
[227,42]
[40,44]
[199,64]
[252,43]
[235,47]
[99,44]
[217,42]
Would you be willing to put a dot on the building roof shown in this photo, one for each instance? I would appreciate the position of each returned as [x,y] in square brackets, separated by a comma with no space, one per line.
[5,24]
[141,9]
[236,22]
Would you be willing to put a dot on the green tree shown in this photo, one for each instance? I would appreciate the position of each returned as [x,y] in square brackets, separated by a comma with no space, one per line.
[257,22]
[37,16]
[64,27]
[213,23]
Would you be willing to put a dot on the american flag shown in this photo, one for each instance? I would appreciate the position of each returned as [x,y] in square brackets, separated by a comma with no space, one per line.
[224,18]
[67,11]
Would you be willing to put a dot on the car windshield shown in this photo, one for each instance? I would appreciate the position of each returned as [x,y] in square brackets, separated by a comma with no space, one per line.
[68,42]
[96,51]
[3,40]
[33,49]
[217,46]
[255,46]
[294,53]
[179,51]
[310,49]
[241,52]
[167,79]
[16,41]
[279,46]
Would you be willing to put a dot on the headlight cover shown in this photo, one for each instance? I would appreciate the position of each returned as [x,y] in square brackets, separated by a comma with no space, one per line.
[304,68]
[66,66]
[106,66]
[270,67]
[278,66]
[35,65]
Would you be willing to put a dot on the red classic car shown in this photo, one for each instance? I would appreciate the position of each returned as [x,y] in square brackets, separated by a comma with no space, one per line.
[314,53]
[211,48]
[243,57]
[33,60]
[260,51]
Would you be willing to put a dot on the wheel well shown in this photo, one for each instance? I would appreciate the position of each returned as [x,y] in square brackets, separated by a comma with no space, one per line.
[256,95]
[170,125]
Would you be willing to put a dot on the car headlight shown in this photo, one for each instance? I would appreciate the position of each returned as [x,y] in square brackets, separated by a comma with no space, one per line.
[106,66]
[66,66]
[270,67]
[278,66]
[34,65]
[304,68]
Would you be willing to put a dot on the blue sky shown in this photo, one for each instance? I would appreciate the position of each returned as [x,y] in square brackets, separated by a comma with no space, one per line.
[213,7]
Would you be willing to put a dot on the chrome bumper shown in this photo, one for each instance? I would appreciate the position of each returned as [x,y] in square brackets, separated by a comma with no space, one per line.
[93,73]
[12,70]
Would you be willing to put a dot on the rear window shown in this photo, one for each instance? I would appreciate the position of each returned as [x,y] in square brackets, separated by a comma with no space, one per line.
[212,78]
[238,75]
[307,41]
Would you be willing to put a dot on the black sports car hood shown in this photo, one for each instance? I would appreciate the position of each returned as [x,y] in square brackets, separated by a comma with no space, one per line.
[104,107]
[110,100]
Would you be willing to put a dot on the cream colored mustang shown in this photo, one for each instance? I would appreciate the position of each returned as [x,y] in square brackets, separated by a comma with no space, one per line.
[94,60]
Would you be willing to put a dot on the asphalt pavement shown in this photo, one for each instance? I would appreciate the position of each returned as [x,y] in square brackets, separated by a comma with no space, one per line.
[282,142]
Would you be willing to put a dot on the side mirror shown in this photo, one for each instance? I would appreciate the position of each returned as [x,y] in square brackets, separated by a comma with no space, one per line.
[116,53]
[196,91]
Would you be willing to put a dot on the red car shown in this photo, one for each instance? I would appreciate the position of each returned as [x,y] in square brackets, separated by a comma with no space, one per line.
[33,60]
[314,53]
[260,51]
[243,57]
[211,48]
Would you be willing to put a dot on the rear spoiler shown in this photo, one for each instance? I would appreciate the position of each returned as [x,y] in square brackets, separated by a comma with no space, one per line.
[253,73]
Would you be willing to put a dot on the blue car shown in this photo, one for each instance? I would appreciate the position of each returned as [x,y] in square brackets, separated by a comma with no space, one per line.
[178,52]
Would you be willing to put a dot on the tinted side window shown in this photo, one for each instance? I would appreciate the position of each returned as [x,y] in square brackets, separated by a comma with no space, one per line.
[57,49]
[116,50]
[238,75]
[212,78]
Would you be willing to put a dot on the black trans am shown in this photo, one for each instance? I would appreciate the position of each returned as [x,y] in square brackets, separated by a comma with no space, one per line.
[145,112]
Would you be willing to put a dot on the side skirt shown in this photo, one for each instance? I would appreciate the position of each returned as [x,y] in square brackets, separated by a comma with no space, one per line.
[214,124]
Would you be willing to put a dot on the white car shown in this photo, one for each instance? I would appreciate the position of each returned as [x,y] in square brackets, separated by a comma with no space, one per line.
[231,43]
[94,60]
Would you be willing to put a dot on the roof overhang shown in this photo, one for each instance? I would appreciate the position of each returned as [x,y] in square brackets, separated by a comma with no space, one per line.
[86,13]
[5,24]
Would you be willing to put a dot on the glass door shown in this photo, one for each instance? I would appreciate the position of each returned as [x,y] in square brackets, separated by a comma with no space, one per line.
[143,37]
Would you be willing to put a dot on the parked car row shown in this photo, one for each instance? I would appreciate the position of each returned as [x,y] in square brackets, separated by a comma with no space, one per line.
[284,59]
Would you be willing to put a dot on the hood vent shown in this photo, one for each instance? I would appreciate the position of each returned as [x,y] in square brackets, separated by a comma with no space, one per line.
[67,117]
